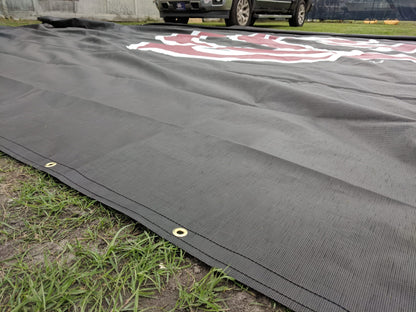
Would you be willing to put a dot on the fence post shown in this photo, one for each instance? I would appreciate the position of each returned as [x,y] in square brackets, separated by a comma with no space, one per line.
[3,7]
[36,7]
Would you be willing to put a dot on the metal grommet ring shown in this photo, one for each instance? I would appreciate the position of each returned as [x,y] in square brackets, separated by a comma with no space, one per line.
[51,164]
[180,232]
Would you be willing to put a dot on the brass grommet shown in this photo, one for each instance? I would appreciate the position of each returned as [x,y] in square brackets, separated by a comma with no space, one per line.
[51,164]
[180,232]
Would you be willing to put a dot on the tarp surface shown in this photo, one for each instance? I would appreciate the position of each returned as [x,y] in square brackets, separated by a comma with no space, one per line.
[363,9]
[289,158]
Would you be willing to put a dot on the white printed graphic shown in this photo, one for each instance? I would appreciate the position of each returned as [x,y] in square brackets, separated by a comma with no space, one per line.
[269,48]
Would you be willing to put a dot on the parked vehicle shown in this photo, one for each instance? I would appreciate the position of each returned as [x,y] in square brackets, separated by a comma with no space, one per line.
[234,12]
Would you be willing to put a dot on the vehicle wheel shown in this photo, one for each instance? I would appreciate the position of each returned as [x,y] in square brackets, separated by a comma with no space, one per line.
[240,13]
[299,15]
[178,20]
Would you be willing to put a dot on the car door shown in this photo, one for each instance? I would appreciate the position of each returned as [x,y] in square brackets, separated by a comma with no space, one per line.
[273,6]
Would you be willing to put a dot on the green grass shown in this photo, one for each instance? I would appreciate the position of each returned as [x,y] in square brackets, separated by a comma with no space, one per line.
[71,253]
[404,28]
[62,251]
[349,27]
[102,280]
[346,27]
[12,22]
[204,292]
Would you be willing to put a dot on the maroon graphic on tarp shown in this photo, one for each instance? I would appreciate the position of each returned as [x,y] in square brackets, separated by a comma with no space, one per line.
[270,48]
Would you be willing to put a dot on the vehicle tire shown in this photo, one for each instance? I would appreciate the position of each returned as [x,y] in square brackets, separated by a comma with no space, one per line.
[178,20]
[240,13]
[299,15]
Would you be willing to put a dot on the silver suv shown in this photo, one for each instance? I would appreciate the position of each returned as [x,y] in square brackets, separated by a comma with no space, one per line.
[234,12]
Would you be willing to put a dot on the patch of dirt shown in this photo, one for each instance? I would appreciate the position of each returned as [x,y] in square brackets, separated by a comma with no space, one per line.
[8,251]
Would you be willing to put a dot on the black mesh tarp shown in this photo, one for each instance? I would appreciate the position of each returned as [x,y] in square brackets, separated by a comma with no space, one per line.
[290,159]
[363,9]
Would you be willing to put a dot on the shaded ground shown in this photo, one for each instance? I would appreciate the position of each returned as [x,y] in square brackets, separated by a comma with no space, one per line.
[60,250]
